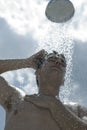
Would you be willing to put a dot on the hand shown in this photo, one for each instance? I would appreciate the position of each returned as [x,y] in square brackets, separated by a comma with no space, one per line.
[36,59]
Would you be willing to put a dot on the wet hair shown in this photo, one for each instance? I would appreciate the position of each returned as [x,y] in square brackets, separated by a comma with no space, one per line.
[42,59]
[56,54]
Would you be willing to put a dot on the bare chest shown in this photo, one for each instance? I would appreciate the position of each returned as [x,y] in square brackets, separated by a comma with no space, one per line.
[30,117]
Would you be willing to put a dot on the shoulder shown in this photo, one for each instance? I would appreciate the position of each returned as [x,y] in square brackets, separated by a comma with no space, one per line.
[79,110]
[72,106]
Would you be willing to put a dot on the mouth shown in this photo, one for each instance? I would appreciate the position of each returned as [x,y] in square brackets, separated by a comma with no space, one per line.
[57,68]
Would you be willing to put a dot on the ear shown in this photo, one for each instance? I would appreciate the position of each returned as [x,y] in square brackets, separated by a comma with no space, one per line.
[37,72]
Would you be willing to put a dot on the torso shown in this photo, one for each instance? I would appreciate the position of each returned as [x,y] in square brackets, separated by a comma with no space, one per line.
[30,117]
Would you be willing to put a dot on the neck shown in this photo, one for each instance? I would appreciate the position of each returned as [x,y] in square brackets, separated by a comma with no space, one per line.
[49,91]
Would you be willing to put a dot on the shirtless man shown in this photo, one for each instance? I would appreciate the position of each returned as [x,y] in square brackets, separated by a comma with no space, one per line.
[42,111]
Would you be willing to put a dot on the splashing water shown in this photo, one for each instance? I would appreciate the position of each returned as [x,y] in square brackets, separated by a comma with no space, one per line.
[60,40]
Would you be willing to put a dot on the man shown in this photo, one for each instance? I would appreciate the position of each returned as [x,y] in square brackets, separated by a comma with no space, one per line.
[42,111]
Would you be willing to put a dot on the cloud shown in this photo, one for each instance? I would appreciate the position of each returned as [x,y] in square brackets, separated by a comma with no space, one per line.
[25,18]
[77,28]
[23,79]
[13,45]
[79,73]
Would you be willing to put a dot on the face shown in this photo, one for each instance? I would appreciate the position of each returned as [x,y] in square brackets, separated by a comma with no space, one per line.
[52,70]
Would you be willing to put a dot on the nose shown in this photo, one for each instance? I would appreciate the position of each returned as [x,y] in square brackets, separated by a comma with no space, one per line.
[58,61]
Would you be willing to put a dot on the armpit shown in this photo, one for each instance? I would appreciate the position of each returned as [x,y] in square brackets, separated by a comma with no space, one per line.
[9,96]
[12,100]
[8,103]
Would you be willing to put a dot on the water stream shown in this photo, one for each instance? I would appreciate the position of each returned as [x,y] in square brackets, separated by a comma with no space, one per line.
[60,40]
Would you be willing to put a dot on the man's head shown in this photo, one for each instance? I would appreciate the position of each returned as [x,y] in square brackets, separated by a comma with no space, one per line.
[50,73]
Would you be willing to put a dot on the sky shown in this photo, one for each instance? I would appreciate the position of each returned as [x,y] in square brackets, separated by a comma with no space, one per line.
[24,30]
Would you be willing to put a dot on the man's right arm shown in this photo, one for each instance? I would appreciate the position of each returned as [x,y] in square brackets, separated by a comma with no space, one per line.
[14,64]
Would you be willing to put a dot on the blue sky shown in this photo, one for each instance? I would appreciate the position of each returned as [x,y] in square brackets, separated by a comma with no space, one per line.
[24,30]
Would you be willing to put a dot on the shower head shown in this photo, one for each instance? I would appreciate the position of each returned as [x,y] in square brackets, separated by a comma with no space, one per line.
[59,11]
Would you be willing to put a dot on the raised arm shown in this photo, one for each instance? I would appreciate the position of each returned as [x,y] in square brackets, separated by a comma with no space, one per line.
[8,94]
[14,64]
[8,65]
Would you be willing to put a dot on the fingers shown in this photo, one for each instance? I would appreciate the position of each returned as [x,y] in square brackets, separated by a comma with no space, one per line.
[41,53]
[37,59]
